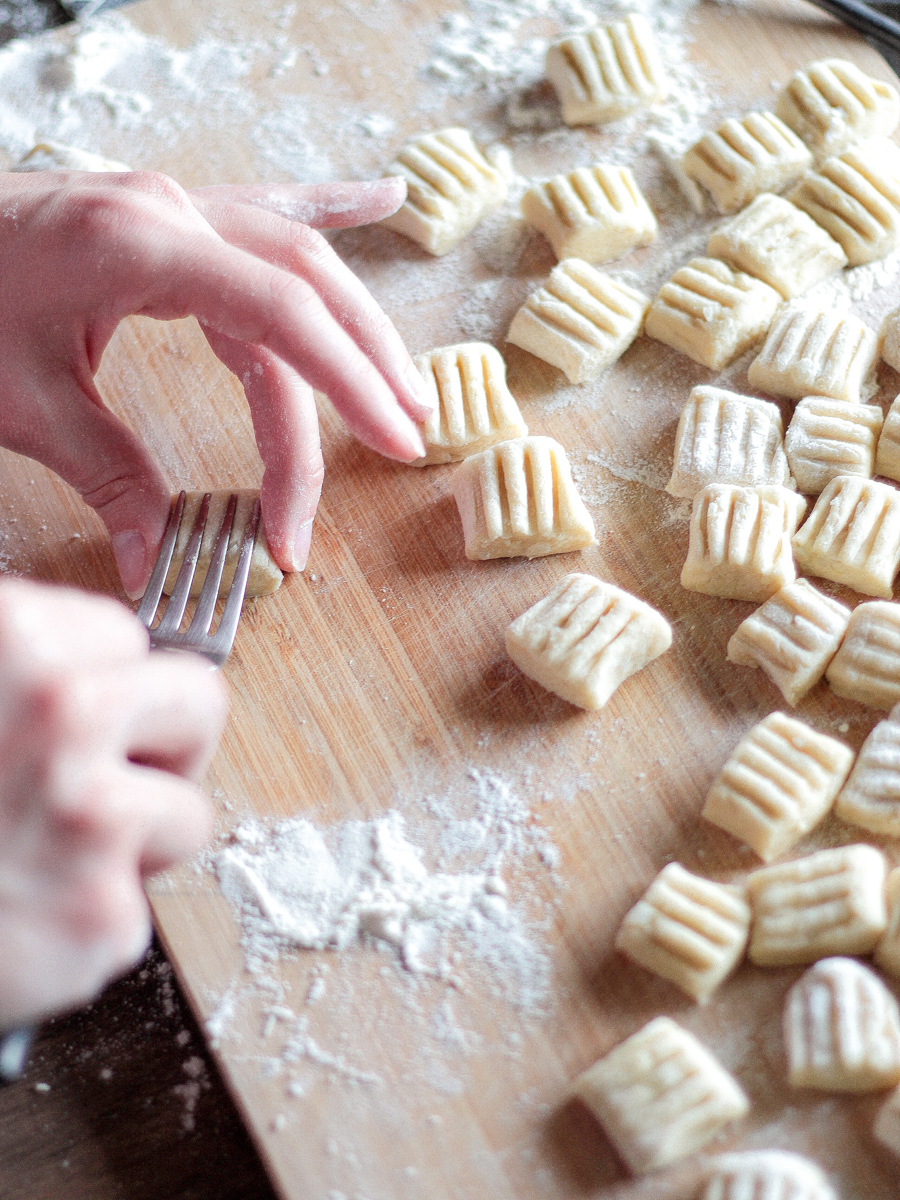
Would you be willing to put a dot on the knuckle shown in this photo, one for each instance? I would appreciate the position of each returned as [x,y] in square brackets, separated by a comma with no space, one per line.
[158,186]
[305,241]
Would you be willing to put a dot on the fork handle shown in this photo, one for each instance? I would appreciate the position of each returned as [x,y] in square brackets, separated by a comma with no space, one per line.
[14,1047]
[865,20]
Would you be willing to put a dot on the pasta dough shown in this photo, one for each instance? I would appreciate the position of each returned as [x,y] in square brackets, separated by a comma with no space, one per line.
[55,156]
[688,930]
[473,407]
[593,213]
[867,665]
[660,1095]
[831,902]
[711,312]
[852,535]
[586,638]
[774,241]
[871,796]
[766,1175]
[580,320]
[450,184]
[518,498]
[740,541]
[741,159]
[778,784]
[842,1029]
[815,352]
[887,1123]
[832,103]
[265,577]
[887,457]
[855,196]
[792,638]
[608,72]
[887,952]
[723,437]
[830,437]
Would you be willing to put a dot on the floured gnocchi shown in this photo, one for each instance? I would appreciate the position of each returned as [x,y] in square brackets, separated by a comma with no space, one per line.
[778,784]
[842,1029]
[867,665]
[450,185]
[580,320]
[830,437]
[871,796]
[740,541]
[852,535]
[265,576]
[593,213]
[660,1095]
[774,241]
[830,902]
[518,498]
[832,103]
[688,930]
[723,437]
[766,1175]
[586,638]
[607,72]
[792,638]
[742,158]
[473,407]
[711,312]
[812,351]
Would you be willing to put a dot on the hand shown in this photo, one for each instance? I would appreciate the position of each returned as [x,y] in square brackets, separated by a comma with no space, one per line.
[78,252]
[101,747]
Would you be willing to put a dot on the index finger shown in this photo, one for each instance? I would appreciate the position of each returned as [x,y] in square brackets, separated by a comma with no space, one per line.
[321,205]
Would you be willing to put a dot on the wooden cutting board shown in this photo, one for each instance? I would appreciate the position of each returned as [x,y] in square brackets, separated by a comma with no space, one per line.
[378,678]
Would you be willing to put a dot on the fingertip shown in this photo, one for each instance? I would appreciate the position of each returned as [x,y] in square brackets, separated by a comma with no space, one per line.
[132,560]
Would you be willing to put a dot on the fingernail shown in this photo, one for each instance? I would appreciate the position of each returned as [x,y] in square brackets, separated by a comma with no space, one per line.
[130,550]
[418,388]
[301,545]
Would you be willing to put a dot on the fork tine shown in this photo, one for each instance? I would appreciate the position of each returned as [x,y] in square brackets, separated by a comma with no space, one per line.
[182,589]
[223,639]
[147,610]
[206,605]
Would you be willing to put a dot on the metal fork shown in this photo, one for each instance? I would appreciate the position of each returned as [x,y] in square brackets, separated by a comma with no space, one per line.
[168,634]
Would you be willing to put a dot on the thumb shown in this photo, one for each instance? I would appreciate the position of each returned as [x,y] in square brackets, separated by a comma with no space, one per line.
[73,434]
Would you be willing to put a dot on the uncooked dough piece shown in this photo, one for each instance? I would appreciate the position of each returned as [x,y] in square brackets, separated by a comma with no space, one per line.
[841,1029]
[887,1124]
[777,243]
[887,458]
[852,535]
[473,407]
[712,312]
[607,72]
[518,498]
[792,638]
[688,930]
[766,1175]
[723,437]
[660,1095]
[593,213]
[580,320]
[586,638]
[871,796]
[830,902]
[832,103]
[887,952]
[867,666]
[813,351]
[55,156]
[740,543]
[450,187]
[830,437]
[855,197]
[778,784]
[265,577]
[741,159]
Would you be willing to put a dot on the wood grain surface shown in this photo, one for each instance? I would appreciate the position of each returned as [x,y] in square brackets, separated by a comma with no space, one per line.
[378,678]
